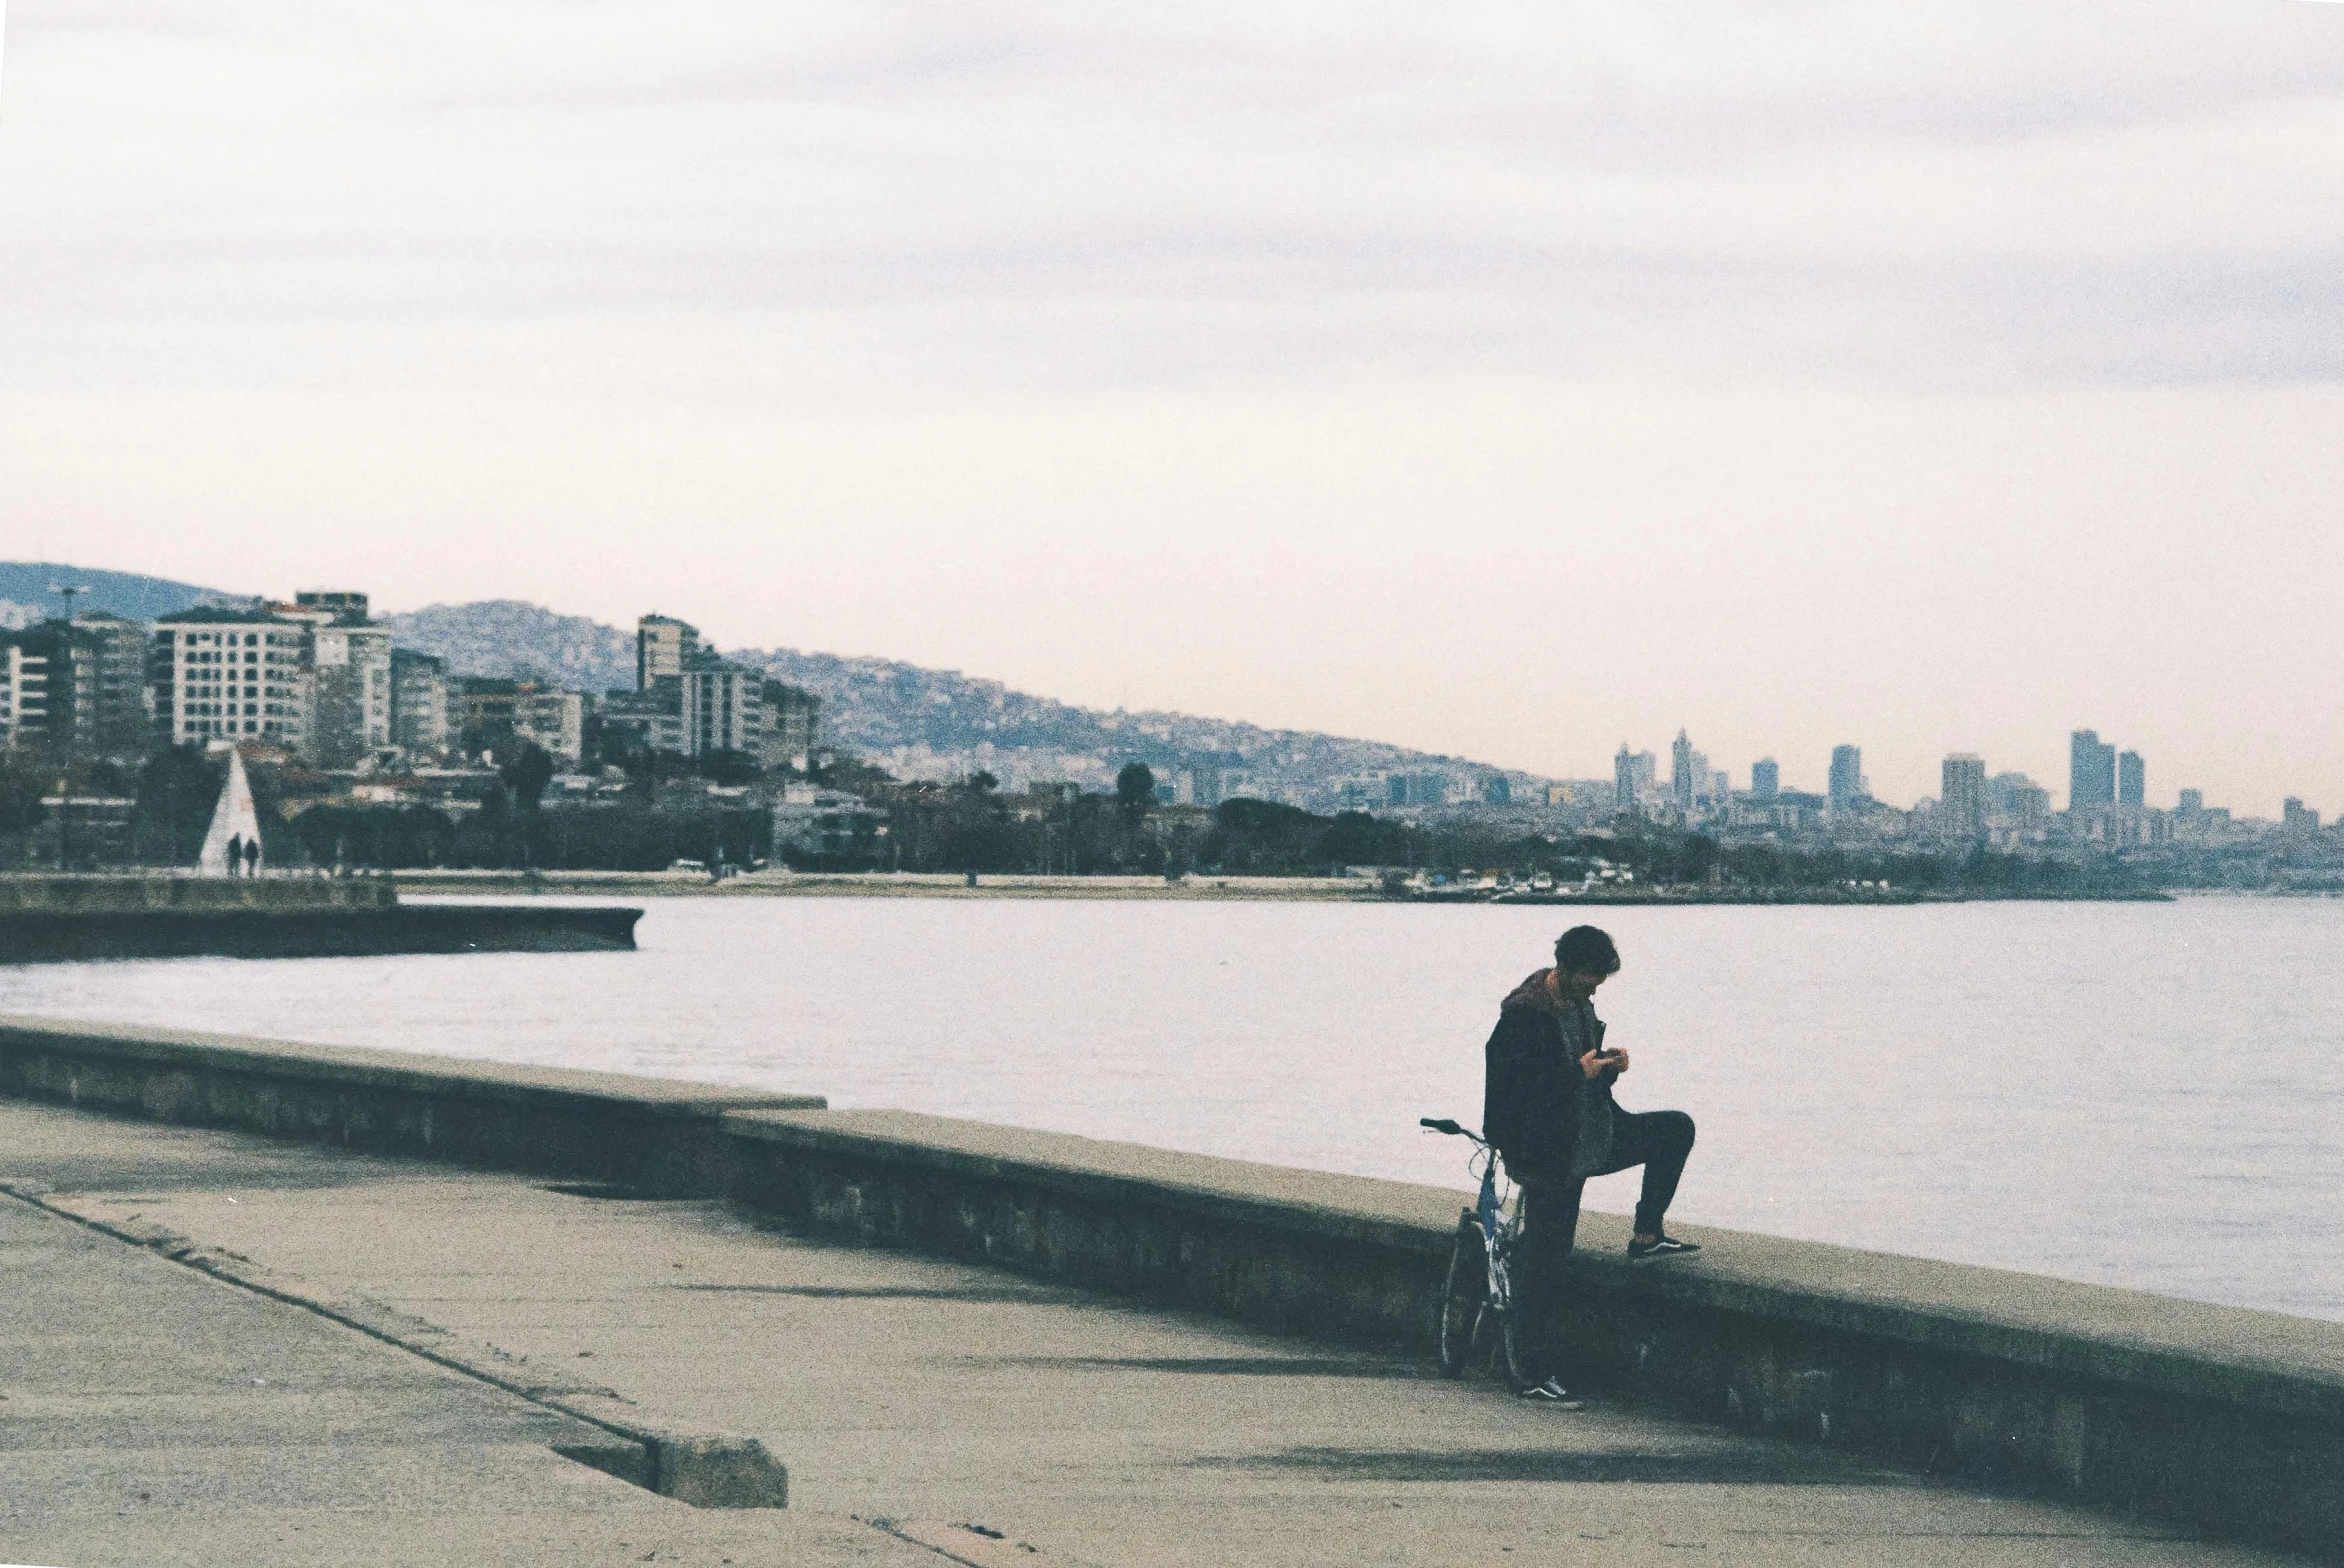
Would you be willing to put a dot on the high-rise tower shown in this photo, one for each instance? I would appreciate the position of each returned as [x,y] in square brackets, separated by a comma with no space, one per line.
[1961,796]
[2091,771]
[1847,777]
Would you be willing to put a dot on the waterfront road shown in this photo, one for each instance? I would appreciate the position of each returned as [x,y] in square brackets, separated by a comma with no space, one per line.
[169,1412]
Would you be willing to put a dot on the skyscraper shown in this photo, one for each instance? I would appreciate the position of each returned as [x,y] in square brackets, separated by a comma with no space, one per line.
[2091,771]
[1766,779]
[1847,777]
[1683,775]
[1632,774]
[1961,796]
[2131,780]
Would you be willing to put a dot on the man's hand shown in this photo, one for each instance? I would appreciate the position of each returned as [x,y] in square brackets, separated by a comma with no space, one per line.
[1594,1063]
[1619,1056]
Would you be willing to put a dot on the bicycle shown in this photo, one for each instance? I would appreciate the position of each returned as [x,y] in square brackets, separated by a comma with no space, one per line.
[1479,1294]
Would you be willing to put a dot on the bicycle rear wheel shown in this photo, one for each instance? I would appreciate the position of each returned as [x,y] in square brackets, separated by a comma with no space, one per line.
[1460,1299]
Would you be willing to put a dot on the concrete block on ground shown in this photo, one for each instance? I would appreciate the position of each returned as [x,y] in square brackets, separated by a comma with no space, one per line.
[717,1473]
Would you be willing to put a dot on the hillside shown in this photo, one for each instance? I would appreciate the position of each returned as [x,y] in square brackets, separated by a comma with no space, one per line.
[878,705]
[924,722]
[507,637]
[916,722]
[25,595]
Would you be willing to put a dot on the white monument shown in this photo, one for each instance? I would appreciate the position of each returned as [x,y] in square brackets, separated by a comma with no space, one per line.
[233,818]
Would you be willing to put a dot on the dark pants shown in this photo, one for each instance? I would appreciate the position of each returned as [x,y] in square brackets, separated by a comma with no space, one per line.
[1659,1141]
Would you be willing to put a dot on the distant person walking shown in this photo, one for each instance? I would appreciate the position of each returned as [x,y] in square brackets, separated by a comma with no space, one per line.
[236,854]
[1547,1106]
[252,856]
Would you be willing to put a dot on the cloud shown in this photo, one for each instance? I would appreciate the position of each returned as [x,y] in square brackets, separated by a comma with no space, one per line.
[1882,366]
[1927,194]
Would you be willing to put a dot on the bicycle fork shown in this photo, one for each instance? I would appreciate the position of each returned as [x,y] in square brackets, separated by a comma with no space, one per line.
[1493,1241]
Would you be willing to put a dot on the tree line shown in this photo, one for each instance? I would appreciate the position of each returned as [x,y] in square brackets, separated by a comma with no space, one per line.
[964,826]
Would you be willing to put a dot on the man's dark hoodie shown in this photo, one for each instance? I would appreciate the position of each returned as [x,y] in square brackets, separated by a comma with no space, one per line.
[1535,1097]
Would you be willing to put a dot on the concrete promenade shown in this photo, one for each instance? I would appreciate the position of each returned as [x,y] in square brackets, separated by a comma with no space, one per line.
[150,1415]
[222,1408]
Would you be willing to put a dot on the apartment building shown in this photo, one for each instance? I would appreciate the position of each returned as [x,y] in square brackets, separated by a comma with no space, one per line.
[663,646]
[225,674]
[418,705]
[491,715]
[722,707]
[24,693]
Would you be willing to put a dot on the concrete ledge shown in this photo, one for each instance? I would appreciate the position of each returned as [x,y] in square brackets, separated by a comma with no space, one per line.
[653,1134]
[115,891]
[270,931]
[2230,1421]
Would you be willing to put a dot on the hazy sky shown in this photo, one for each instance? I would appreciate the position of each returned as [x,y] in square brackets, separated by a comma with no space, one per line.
[1507,381]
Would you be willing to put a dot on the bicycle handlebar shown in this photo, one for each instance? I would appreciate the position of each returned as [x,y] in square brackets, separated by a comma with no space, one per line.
[1449,1126]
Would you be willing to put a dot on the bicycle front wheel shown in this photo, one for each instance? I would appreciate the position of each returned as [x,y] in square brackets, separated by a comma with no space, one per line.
[1460,1299]
[1514,1351]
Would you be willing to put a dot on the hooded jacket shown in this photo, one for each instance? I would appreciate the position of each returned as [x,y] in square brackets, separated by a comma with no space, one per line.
[1533,1090]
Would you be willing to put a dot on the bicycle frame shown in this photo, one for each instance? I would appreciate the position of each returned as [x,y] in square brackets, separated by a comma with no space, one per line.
[1492,1211]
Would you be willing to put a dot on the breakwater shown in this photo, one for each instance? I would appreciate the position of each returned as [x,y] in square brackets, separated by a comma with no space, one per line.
[67,918]
[119,893]
[653,1135]
[2229,1421]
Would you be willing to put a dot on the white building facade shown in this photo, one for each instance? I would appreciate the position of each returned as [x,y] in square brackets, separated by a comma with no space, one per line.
[24,694]
[232,675]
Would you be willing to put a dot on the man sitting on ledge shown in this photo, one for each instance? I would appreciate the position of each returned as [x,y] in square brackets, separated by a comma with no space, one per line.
[1547,1106]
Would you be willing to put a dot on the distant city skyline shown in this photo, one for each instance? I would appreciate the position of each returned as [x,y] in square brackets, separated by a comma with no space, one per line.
[2098,774]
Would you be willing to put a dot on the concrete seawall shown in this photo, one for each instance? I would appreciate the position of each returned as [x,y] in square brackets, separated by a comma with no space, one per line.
[81,935]
[653,1135]
[117,892]
[117,915]
[2228,1421]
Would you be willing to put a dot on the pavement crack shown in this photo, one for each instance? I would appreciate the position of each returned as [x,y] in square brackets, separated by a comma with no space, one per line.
[973,1545]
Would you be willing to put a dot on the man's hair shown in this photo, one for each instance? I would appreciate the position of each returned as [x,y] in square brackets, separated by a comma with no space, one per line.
[1586,950]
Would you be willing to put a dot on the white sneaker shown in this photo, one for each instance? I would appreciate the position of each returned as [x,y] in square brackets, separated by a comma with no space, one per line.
[1554,1393]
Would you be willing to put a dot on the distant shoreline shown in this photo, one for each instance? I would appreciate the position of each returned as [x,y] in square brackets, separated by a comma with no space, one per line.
[1005,885]
[1190,889]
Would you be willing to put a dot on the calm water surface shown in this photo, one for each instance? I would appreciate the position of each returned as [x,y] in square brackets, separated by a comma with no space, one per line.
[2137,1095]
